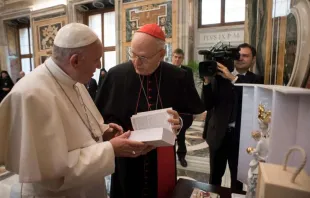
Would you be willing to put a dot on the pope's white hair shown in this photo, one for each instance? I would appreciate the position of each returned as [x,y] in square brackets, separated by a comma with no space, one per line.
[63,54]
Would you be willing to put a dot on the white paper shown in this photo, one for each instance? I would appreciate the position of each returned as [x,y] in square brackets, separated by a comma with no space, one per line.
[157,137]
[151,119]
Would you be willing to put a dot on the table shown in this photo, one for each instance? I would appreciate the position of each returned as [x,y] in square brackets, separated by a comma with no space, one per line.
[185,187]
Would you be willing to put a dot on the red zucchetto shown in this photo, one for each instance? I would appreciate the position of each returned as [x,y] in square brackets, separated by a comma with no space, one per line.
[153,30]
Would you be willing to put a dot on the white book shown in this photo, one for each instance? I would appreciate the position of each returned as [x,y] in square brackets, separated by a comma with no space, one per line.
[157,137]
[152,119]
[153,128]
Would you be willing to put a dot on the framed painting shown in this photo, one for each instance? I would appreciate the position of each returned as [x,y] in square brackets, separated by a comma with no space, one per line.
[44,32]
[47,35]
[159,13]
[138,13]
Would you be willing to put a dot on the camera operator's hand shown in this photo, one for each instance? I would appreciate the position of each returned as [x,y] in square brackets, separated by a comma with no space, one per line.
[224,72]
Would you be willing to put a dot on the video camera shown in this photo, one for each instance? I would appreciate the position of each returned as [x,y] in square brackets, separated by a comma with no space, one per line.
[224,54]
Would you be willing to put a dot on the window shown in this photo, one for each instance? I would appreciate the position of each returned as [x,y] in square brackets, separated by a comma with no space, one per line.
[25,46]
[280,8]
[221,12]
[103,24]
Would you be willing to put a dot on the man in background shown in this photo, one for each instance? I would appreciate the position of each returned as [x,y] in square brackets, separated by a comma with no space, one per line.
[177,59]
[224,100]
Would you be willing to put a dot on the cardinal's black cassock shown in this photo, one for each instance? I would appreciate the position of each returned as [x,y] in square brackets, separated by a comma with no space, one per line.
[125,93]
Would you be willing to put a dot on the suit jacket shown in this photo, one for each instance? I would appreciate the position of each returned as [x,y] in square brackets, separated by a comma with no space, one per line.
[220,96]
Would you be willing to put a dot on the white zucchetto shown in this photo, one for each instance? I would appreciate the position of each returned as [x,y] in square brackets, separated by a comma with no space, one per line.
[74,35]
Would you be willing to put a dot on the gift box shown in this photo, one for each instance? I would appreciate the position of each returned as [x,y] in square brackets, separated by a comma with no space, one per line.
[157,137]
[280,181]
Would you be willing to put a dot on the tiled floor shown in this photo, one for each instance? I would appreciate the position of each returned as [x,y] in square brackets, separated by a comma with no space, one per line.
[197,158]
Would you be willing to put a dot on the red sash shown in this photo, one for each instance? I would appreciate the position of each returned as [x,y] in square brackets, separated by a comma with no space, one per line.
[166,169]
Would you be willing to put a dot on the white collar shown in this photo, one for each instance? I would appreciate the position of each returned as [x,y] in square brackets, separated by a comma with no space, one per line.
[235,73]
[59,74]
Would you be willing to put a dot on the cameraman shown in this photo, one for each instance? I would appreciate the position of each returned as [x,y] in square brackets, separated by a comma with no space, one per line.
[223,100]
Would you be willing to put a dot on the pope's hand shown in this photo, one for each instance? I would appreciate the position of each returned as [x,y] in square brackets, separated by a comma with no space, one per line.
[114,130]
[123,147]
[175,121]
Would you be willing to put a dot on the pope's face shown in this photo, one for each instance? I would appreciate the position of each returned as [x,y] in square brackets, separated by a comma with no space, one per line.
[145,53]
[89,62]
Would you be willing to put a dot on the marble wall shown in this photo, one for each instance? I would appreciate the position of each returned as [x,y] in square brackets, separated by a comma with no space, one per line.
[206,38]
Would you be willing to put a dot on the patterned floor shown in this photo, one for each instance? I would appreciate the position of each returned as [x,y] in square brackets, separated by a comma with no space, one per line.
[197,157]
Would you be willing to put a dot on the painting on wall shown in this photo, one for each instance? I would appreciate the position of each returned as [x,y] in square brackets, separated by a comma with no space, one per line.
[12,40]
[47,35]
[44,32]
[160,14]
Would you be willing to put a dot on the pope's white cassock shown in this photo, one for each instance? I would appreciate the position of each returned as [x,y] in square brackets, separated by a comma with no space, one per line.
[45,136]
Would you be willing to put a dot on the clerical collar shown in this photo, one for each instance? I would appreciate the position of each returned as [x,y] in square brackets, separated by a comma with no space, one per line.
[59,74]
[235,73]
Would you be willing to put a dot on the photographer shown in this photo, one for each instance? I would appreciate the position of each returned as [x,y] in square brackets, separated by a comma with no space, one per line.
[223,100]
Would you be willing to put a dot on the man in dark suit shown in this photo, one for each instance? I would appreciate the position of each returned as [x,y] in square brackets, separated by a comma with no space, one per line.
[91,87]
[223,100]
[177,59]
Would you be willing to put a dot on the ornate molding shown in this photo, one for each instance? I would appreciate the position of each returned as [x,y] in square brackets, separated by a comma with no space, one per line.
[72,10]
[12,1]
[301,12]
[16,13]
[55,10]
